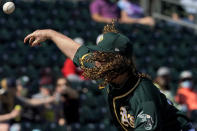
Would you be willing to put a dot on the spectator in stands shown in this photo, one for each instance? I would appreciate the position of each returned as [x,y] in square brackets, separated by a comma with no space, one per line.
[9,106]
[41,98]
[124,10]
[12,101]
[69,70]
[45,91]
[54,108]
[132,13]
[69,101]
[186,12]
[4,118]
[21,84]
[41,107]
[43,112]
[104,10]
[190,7]
[175,16]
[163,81]
[186,94]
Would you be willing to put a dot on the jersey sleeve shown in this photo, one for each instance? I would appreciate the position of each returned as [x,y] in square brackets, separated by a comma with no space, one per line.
[81,52]
[147,117]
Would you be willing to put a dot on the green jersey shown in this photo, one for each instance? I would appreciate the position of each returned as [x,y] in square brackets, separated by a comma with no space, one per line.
[139,105]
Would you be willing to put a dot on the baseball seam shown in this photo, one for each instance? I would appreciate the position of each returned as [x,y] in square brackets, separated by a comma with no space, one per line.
[8,8]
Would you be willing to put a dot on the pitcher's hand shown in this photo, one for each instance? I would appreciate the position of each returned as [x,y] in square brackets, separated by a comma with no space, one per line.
[37,37]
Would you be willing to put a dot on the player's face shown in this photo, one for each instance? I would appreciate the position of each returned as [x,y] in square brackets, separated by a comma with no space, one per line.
[99,64]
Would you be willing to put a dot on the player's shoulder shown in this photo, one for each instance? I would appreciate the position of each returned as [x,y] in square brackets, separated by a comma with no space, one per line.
[82,50]
[146,90]
[146,84]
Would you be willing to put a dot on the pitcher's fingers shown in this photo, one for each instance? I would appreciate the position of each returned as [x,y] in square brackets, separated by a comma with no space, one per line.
[27,37]
[31,39]
[36,42]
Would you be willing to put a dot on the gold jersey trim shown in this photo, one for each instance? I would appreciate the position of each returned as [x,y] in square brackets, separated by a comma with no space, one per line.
[82,58]
[121,96]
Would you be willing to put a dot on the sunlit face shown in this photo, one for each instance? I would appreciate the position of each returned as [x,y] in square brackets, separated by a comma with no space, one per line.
[19,87]
[164,80]
[61,85]
[45,91]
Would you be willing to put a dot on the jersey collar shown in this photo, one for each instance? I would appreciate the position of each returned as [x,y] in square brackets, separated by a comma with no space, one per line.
[117,90]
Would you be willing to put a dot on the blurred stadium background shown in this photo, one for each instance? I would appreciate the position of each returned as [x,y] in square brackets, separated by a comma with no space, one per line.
[169,43]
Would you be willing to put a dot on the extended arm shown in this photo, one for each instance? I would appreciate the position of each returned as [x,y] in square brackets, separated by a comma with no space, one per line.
[10,115]
[98,18]
[128,20]
[95,10]
[71,93]
[36,101]
[64,43]
[5,117]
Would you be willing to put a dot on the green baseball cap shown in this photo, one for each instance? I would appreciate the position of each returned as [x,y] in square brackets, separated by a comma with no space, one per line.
[115,43]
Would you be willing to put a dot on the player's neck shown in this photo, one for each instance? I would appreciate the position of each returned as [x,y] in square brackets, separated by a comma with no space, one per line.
[121,79]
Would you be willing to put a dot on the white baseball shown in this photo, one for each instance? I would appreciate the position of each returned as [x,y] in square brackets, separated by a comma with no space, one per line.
[8,7]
